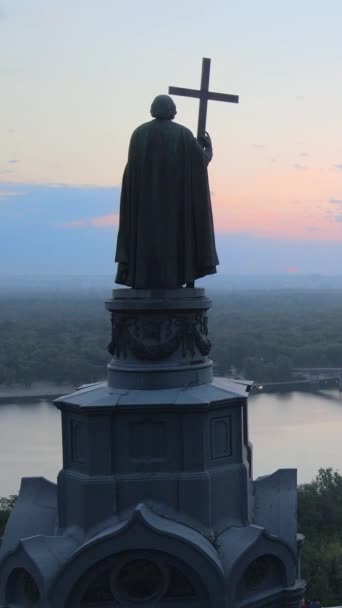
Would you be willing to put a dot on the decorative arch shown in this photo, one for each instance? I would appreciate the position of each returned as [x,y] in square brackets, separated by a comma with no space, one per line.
[138,577]
[21,589]
[159,543]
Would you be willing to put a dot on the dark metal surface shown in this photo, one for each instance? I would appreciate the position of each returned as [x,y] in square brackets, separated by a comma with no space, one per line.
[204,95]
[166,234]
[203,105]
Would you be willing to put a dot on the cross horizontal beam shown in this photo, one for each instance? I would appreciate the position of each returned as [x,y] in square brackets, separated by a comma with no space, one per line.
[203,94]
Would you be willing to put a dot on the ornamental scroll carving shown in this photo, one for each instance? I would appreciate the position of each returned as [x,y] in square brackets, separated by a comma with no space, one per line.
[152,338]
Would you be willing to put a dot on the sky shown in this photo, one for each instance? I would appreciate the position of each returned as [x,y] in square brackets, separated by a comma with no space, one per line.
[77,76]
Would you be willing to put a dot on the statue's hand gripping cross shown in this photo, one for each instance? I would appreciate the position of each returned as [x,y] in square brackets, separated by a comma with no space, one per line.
[203,95]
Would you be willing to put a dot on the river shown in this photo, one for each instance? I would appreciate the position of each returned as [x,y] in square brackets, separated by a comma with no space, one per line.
[300,430]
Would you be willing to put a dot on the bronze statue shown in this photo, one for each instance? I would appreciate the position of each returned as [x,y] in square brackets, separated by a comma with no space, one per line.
[166,235]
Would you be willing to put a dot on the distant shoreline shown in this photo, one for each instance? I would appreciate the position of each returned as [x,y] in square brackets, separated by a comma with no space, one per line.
[42,390]
[51,390]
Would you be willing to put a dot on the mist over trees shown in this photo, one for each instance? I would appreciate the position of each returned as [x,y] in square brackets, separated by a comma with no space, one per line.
[62,337]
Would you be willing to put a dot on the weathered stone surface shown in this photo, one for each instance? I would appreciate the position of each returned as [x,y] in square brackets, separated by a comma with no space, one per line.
[275,504]
[183,448]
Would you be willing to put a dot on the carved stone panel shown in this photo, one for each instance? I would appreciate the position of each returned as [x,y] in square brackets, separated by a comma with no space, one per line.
[221,437]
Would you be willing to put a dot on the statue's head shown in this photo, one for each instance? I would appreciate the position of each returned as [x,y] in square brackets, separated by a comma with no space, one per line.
[163,107]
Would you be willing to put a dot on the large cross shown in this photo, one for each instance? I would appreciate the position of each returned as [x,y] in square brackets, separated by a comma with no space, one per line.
[203,95]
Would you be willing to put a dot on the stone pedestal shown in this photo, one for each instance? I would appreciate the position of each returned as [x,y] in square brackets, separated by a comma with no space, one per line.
[155,504]
[159,338]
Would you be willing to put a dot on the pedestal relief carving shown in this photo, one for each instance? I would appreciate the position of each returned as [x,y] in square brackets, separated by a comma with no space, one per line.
[148,338]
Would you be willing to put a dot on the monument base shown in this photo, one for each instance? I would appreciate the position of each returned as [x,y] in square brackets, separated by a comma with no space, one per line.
[155,504]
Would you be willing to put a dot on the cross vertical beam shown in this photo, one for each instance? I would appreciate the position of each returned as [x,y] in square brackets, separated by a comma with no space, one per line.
[203,104]
[204,95]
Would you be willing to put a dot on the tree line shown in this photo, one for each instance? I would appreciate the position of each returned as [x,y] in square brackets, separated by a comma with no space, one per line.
[262,335]
[320,520]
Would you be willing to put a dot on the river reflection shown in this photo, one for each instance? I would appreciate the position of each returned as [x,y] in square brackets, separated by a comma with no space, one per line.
[30,443]
[299,430]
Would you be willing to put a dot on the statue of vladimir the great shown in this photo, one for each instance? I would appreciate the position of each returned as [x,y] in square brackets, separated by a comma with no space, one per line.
[166,235]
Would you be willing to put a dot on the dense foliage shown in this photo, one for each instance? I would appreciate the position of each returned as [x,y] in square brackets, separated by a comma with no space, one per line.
[320,520]
[54,338]
[263,335]
[6,505]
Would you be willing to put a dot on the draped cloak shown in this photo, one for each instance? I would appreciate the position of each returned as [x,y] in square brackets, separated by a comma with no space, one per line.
[166,235]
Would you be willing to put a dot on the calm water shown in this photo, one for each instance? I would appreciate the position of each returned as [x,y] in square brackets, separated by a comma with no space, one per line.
[296,430]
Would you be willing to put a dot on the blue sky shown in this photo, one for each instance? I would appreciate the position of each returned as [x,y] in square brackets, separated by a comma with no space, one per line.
[77,76]
[50,229]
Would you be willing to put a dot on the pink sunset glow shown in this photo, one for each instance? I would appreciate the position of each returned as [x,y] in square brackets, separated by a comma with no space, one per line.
[111,220]
[68,114]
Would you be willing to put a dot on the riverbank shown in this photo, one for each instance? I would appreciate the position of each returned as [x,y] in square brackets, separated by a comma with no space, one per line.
[37,390]
[296,385]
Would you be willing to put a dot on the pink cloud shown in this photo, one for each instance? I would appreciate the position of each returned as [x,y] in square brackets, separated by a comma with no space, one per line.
[110,220]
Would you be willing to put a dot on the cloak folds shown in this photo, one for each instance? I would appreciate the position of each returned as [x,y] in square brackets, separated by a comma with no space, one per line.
[166,235]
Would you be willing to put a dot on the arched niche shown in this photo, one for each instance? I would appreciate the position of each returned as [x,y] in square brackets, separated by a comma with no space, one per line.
[264,573]
[22,590]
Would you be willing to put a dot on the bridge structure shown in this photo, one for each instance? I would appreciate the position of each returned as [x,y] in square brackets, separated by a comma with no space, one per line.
[328,374]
